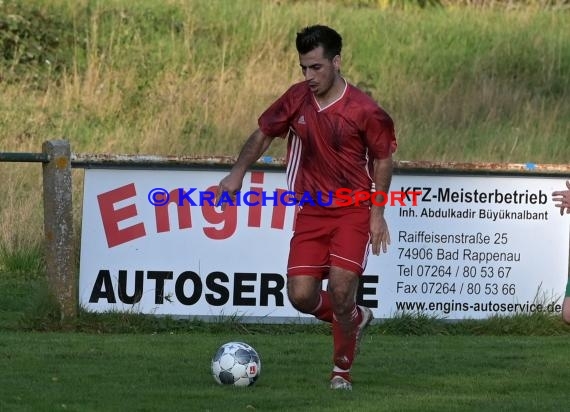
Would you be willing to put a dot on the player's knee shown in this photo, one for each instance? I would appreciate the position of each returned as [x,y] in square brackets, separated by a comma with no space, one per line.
[342,301]
[301,299]
[302,303]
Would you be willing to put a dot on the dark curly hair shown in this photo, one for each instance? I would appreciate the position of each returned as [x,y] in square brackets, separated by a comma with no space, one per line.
[314,36]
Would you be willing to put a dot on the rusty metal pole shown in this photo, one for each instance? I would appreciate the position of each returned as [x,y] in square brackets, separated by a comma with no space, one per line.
[58,226]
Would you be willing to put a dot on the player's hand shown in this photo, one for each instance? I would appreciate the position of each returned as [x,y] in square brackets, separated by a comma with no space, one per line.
[379,233]
[563,199]
[230,185]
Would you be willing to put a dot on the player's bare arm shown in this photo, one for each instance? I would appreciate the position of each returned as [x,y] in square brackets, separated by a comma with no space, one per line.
[254,147]
[562,197]
[379,233]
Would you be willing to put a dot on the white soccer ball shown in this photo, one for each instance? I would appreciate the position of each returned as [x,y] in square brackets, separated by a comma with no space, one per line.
[237,364]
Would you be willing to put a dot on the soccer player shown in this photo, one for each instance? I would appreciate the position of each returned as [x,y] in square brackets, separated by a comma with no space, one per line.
[338,137]
[563,199]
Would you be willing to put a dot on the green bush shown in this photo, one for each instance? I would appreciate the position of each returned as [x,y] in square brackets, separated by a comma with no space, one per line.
[33,41]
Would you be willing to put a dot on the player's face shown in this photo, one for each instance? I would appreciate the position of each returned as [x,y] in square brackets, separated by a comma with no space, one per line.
[319,71]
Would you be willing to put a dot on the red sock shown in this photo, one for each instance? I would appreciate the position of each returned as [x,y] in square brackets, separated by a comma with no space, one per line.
[344,340]
[323,311]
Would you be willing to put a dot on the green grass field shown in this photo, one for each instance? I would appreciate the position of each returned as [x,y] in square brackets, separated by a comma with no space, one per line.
[118,362]
[160,372]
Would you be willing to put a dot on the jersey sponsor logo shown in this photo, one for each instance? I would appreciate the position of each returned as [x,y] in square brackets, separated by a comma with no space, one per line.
[301,120]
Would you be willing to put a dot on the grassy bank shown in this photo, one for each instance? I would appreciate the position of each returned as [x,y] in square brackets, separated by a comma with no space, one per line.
[192,77]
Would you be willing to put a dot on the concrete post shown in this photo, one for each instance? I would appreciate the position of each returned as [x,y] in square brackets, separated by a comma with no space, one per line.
[58,226]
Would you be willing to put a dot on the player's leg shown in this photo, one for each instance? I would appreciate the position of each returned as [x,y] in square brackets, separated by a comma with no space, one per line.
[566,304]
[308,264]
[342,287]
[303,292]
[349,251]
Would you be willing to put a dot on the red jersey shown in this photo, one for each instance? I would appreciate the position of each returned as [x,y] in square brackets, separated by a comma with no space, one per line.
[330,147]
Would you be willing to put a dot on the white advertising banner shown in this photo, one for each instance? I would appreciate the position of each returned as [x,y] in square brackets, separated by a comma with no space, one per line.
[466,247]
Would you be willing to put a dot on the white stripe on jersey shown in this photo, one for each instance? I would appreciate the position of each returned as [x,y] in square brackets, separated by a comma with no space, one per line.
[294,159]
[366,166]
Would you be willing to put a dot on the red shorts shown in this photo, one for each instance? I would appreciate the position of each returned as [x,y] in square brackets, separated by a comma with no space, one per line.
[326,237]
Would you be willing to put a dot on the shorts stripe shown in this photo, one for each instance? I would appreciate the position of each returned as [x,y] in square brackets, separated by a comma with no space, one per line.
[348,260]
[308,270]
[309,266]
